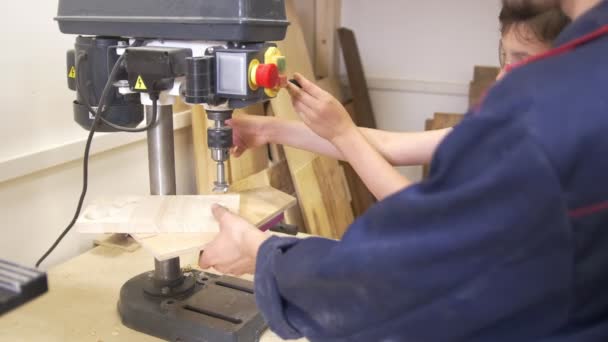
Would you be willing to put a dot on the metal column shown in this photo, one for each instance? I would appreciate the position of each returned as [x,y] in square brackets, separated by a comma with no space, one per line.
[161,162]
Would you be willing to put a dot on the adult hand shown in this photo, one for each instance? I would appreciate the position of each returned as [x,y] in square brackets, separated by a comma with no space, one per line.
[248,131]
[234,250]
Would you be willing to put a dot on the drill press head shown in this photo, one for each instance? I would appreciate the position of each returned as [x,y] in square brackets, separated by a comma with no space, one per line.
[218,59]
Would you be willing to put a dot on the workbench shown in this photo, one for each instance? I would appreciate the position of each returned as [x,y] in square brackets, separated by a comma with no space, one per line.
[81,302]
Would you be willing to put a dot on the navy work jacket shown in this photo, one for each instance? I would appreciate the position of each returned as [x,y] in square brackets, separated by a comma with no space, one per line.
[506,241]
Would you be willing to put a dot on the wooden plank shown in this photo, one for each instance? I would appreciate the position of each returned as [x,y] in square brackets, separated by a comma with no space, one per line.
[441,121]
[293,47]
[426,168]
[484,78]
[306,177]
[332,85]
[326,201]
[335,195]
[364,113]
[153,214]
[278,177]
[485,74]
[258,206]
[306,14]
[121,241]
[327,20]
[362,198]
[445,120]
[254,160]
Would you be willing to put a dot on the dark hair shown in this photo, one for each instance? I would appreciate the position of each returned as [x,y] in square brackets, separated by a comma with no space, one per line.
[545,23]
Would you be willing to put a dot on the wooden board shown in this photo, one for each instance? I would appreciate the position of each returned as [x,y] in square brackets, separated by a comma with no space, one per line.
[153,214]
[486,74]
[362,198]
[445,120]
[484,78]
[124,242]
[278,177]
[364,113]
[332,86]
[426,168]
[327,20]
[258,206]
[253,160]
[441,121]
[310,173]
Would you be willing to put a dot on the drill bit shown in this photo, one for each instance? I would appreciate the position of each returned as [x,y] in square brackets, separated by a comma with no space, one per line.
[220,186]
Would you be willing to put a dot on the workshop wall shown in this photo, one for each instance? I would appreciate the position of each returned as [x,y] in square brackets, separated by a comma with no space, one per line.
[419,55]
[37,126]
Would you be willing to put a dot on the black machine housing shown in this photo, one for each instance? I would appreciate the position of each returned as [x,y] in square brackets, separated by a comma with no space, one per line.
[192,20]
[108,25]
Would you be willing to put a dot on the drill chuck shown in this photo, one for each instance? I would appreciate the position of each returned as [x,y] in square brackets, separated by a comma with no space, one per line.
[220,138]
[220,154]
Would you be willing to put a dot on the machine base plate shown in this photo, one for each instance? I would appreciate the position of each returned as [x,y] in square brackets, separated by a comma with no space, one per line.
[216,308]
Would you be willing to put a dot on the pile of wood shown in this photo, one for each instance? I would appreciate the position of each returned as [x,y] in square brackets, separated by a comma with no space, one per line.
[484,78]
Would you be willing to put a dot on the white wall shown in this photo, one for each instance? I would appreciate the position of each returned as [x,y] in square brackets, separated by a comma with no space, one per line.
[37,132]
[415,53]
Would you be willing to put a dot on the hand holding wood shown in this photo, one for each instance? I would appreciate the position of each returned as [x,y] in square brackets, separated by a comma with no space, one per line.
[234,250]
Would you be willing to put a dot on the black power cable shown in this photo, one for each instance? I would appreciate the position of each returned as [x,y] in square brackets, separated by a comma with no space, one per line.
[85,168]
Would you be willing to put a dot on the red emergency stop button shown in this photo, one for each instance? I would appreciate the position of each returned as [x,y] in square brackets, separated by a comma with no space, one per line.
[267,76]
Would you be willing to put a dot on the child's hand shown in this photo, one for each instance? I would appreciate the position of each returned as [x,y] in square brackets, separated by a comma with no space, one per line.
[247,132]
[319,110]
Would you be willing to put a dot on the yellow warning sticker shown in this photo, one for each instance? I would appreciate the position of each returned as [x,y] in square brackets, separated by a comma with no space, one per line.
[140,85]
[72,73]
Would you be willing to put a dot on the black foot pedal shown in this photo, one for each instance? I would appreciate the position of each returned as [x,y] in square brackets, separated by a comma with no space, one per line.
[19,285]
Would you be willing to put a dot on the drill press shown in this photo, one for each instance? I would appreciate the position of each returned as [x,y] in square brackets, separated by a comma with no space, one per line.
[209,52]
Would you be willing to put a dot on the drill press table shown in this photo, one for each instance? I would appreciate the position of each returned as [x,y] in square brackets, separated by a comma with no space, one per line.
[81,302]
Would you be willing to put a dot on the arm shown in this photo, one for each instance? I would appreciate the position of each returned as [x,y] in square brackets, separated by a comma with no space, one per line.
[405,149]
[381,178]
[399,149]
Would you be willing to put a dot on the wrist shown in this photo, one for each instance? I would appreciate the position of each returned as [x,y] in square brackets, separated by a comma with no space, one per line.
[269,129]
[254,241]
[346,138]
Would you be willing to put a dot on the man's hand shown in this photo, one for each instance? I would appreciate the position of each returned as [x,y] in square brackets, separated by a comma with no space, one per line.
[319,110]
[235,249]
[248,131]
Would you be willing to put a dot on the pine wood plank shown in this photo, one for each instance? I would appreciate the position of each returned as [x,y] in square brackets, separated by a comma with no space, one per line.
[258,206]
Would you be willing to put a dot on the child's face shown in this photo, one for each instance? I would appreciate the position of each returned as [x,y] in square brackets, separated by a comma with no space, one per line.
[518,44]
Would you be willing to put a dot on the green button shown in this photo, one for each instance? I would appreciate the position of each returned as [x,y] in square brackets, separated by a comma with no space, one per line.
[282,64]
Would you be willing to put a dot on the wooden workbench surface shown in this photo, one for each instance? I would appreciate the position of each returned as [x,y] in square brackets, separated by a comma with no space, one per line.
[81,302]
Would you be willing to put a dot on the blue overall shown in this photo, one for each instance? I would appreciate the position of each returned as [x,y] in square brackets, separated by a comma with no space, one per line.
[506,241]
